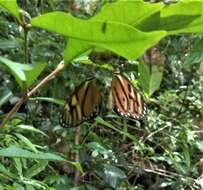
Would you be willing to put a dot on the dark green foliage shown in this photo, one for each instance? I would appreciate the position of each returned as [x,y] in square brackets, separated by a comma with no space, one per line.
[160,152]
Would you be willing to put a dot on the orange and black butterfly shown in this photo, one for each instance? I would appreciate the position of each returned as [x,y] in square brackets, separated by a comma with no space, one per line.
[83,105]
[85,102]
[127,101]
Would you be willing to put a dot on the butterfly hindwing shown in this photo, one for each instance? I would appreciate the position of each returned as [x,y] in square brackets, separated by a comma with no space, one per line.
[83,104]
[127,101]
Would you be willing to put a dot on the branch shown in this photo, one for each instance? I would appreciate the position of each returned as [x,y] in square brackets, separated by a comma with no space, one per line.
[77,156]
[31,92]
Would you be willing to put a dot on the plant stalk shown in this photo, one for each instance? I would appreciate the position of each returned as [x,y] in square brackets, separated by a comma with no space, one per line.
[31,92]
[77,156]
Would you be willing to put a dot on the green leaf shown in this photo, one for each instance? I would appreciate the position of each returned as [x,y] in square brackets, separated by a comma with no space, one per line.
[16,70]
[144,76]
[196,55]
[199,146]
[129,49]
[120,38]
[87,30]
[34,72]
[9,44]
[113,175]
[36,169]
[90,187]
[155,81]
[25,74]
[98,147]
[17,186]
[187,157]
[181,17]
[183,8]
[6,172]
[124,12]
[47,99]
[5,97]
[11,7]
[29,187]
[27,142]
[150,81]
[31,128]
[16,152]
[18,166]
[171,24]
[78,166]
[74,49]
[128,11]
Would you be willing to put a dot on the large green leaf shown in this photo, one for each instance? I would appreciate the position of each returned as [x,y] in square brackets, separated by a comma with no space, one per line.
[182,17]
[185,7]
[127,11]
[87,30]
[25,74]
[124,12]
[129,49]
[120,38]
[11,6]
[75,48]
[171,24]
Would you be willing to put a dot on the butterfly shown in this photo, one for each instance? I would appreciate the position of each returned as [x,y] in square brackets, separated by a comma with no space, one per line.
[127,101]
[83,105]
[85,102]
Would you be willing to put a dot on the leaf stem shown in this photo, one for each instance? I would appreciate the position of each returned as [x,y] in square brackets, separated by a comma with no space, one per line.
[25,45]
[77,156]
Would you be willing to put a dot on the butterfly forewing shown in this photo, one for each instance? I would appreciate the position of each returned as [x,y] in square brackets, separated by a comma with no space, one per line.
[90,104]
[128,102]
[82,105]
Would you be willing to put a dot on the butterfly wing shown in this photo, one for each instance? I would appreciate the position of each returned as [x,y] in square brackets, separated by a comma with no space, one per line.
[127,101]
[82,105]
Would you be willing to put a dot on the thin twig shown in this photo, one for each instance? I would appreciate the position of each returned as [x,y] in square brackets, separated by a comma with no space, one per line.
[30,93]
[153,133]
[26,45]
[77,156]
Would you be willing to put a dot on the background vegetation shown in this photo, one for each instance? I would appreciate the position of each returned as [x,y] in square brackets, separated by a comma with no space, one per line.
[158,46]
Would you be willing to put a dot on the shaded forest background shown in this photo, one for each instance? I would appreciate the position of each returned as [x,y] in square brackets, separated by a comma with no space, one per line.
[163,151]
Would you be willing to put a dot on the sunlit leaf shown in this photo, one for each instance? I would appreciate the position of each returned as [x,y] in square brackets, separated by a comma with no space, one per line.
[120,38]
[25,74]
[11,7]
